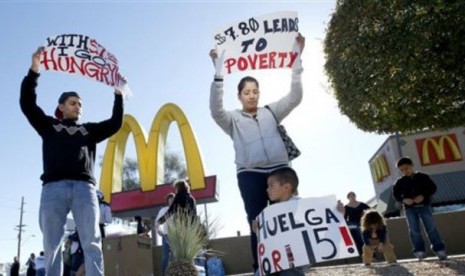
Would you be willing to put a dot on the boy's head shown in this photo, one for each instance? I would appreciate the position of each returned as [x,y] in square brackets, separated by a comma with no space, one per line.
[69,106]
[405,165]
[282,184]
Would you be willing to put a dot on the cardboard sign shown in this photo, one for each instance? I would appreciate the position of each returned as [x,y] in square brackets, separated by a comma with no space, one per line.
[263,42]
[82,55]
[302,232]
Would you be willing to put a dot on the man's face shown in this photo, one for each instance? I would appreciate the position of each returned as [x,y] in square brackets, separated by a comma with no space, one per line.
[406,169]
[71,108]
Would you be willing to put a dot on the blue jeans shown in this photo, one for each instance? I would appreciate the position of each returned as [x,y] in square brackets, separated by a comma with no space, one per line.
[165,245]
[253,187]
[57,200]
[424,213]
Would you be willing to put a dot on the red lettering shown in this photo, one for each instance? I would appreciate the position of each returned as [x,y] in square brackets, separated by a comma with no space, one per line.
[282,56]
[229,63]
[252,61]
[261,252]
[49,59]
[293,56]
[276,256]
[80,67]
[242,64]
[263,60]
[272,57]
[60,63]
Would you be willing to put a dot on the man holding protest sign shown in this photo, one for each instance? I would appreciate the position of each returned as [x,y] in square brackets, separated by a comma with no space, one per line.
[258,145]
[69,149]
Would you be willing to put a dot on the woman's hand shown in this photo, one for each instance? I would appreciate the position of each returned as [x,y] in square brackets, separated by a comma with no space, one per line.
[300,40]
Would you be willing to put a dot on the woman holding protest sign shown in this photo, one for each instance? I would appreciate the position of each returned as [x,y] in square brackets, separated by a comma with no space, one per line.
[258,146]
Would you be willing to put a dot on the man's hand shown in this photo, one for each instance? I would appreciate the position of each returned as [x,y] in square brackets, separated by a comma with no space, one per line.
[407,201]
[418,199]
[255,226]
[122,84]
[36,59]
[340,207]
[300,40]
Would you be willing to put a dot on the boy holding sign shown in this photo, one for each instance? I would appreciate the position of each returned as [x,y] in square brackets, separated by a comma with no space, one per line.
[282,187]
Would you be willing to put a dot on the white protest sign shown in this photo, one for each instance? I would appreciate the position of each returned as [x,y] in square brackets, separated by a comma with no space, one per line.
[263,42]
[80,54]
[302,232]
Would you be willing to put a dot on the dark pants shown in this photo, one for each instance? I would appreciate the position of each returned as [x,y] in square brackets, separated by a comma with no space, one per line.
[102,230]
[356,234]
[252,186]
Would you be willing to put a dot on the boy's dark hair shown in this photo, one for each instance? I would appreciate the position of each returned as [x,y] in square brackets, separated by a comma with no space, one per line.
[286,175]
[404,161]
[242,82]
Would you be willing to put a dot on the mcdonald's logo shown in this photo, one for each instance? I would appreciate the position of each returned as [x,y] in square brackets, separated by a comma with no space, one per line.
[438,149]
[380,168]
[151,171]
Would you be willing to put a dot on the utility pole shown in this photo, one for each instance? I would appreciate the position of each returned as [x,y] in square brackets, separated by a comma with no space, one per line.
[20,228]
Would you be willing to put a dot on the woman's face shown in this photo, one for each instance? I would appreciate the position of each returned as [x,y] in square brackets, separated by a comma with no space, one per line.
[249,97]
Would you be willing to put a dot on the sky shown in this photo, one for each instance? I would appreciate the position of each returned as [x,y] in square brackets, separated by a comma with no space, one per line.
[162,48]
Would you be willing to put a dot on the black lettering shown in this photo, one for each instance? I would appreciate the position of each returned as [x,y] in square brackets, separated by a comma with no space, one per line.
[284,25]
[295,225]
[267,29]
[276,26]
[312,220]
[282,223]
[83,42]
[51,41]
[273,231]
[266,265]
[62,51]
[80,53]
[245,44]
[71,41]
[330,215]
[261,44]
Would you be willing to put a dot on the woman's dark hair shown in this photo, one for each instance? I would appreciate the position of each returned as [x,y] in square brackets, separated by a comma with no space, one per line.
[372,217]
[242,82]
[181,185]
[350,193]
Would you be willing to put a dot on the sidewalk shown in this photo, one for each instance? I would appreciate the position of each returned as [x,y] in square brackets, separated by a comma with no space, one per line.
[455,265]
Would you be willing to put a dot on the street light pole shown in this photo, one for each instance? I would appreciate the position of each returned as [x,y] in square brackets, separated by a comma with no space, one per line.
[20,228]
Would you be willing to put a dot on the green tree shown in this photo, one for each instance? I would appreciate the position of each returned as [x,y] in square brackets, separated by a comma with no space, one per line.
[175,168]
[398,65]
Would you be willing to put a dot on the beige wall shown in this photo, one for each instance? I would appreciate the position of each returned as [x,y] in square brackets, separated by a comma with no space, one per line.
[130,255]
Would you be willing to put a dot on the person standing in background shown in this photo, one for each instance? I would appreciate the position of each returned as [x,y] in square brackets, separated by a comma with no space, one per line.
[353,212]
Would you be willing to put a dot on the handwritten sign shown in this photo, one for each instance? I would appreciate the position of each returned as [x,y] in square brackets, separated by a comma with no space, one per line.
[80,54]
[302,232]
[263,42]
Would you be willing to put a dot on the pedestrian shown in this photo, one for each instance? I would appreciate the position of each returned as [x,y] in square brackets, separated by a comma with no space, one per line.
[414,191]
[31,265]
[353,212]
[14,269]
[105,213]
[68,150]
[259,148]
[162,231]
[40,264]
[183,201]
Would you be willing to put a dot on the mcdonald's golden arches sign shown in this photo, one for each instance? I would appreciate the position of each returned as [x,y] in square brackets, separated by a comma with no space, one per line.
[438,149]
[380,168]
